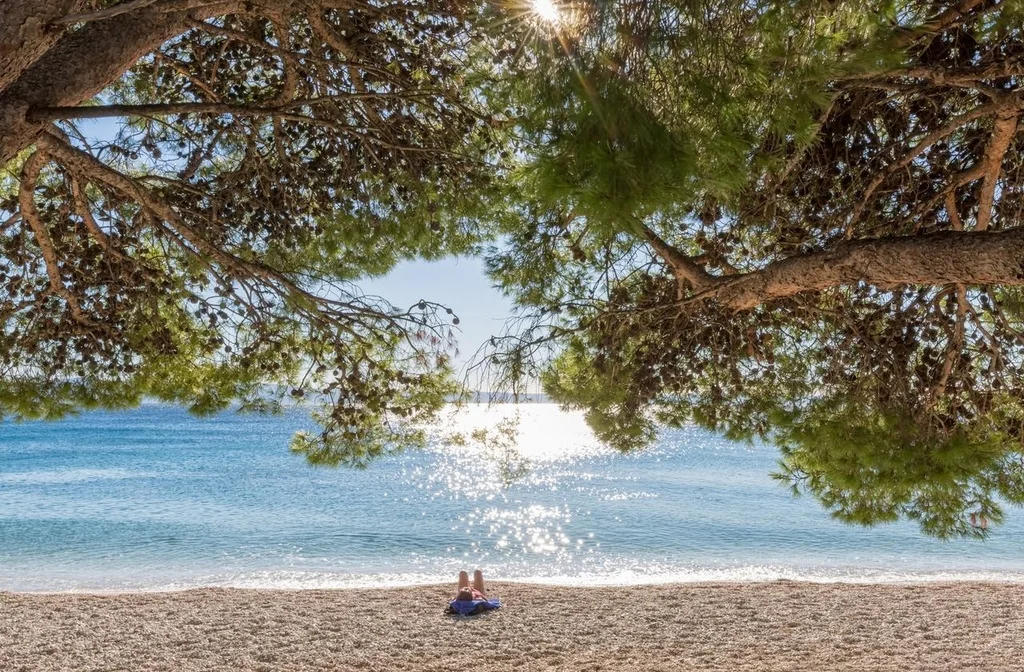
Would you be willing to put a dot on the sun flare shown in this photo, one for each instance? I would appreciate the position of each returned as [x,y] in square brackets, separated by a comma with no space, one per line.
[546,10]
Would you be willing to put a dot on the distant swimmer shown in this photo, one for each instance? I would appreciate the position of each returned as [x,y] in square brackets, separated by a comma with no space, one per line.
[471,599]
[979,520]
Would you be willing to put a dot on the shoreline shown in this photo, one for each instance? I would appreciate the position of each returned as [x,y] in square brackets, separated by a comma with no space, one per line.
[319,581]
[526,583]
[770,625]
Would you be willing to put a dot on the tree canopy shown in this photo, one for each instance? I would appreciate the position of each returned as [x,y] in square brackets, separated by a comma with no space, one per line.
[791,220]
[265,156]
[787,220]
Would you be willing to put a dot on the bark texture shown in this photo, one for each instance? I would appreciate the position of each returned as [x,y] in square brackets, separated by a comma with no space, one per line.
[27,31]
[949,257]
[82,62]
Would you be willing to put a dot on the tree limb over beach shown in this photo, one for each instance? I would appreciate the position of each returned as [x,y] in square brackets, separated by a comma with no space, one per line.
[264,156]
[790,223]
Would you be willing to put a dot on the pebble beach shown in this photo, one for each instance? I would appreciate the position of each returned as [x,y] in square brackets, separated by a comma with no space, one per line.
[778,625]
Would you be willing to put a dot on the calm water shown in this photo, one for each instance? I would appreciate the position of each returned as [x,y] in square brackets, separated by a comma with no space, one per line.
[153,498]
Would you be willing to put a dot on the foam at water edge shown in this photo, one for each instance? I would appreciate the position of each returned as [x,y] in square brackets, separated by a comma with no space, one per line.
[297,580]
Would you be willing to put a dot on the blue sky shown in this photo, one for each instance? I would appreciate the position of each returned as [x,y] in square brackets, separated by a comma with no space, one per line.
[457,282]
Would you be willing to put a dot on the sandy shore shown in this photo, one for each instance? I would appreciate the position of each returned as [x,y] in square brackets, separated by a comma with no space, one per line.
[766,626]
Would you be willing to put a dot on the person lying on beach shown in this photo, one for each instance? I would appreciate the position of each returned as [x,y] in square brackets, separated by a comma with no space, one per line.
[471,599]
[471,592]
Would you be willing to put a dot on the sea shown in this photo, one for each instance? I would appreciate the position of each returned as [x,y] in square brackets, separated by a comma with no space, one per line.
[156,499]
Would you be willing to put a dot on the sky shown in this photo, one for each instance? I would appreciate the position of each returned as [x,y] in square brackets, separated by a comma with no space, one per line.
[457,282]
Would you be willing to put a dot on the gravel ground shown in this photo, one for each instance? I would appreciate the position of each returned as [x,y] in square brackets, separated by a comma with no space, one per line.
[753,626]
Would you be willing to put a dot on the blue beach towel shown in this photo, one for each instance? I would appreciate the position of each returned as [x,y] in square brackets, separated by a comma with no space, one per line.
[472,607]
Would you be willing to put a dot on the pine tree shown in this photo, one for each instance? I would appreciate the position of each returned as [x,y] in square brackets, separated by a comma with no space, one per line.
[794,221]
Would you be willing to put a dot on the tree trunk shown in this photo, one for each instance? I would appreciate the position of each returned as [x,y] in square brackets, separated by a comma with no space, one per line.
[26,32]
[82,63]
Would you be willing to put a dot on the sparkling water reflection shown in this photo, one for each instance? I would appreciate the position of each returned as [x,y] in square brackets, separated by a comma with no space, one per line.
[155,499]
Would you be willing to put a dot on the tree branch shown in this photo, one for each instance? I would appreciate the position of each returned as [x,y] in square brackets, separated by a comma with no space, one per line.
[956,340]
[83,62]
[10,221]
[239,36]
[48,114]
[317,308]
[135,5]
[1006,107]
[954,216]
[25,33]
[325,33]
[686,270]
[1003,130]
[81,205]
[948,257]
[970,77]
[26,204]
[939,23]
[78,161]
[180,68]
[108,13]
[290,80]
[948,195]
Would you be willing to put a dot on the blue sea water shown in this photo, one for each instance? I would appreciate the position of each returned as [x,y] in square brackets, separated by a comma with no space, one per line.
[156,499]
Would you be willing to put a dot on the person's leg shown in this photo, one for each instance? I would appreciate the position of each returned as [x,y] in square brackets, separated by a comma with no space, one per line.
[478,581]
[463,581]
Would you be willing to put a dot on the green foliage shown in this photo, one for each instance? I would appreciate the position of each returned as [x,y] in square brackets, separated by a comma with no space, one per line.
[871,467]
[497,447]
[211,258]
[612,160]
[612,408]
[382,425]
[741,135]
